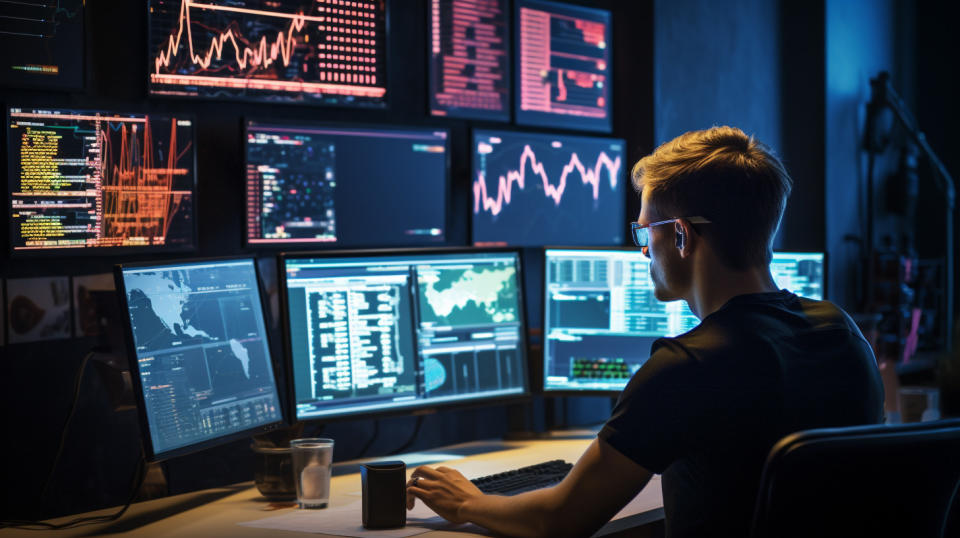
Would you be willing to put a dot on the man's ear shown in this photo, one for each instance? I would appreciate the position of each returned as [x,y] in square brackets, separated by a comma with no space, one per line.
[685,238]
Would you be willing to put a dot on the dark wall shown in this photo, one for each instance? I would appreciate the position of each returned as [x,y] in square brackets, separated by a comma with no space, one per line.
[755,65]
[36,380]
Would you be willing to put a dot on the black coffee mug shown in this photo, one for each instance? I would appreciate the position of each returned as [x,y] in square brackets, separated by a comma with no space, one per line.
[384,494]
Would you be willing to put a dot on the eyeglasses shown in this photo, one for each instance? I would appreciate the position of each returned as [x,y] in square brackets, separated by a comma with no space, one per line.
[641,232]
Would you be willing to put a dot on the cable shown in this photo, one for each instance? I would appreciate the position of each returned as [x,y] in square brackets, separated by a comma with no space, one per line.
[63,434]
[373,437]
[139,474]
[413,437]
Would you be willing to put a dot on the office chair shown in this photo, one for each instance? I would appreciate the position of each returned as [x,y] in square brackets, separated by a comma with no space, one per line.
[871,481]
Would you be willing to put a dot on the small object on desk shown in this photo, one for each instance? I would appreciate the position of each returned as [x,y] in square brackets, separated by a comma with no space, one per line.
[312,458]
[528,478]
[273,473]
[384,494]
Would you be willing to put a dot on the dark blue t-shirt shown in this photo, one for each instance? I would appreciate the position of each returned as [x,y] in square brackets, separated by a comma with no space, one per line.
[707,407]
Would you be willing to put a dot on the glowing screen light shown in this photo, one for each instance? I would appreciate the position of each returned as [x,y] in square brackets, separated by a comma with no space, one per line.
[287,51]
[538,189]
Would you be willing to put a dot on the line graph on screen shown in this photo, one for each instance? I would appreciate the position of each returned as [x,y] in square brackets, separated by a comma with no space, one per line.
[534,189]
[589,176]
[296,51]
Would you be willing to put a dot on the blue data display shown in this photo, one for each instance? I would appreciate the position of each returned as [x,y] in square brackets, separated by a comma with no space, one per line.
[539,189]
[601,315]
[377,334]
[345,186]
[203,360]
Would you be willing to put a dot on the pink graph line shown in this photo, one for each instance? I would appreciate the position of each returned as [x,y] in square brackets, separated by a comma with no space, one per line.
[505,184]
[258,56]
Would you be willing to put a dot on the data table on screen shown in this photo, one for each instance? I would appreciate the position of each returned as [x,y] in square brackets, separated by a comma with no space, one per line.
[601,314]
[98,180]
[469,72]
[563,66]
[538,189]
[318,52]
[379,334]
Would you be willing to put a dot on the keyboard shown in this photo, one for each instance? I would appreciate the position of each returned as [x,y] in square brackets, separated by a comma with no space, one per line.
[524,479]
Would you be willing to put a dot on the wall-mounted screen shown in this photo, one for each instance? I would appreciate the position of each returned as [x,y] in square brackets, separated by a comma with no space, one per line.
[539,189]
[390,332]
[42,44]
[563,66]
[601,315]
[469,59]
[346,186]
[318,52]
[95,180]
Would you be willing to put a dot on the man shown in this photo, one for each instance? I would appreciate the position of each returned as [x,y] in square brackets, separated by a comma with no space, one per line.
[708,405]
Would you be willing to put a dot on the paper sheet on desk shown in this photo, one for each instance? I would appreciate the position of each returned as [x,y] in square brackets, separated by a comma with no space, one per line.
[345,521]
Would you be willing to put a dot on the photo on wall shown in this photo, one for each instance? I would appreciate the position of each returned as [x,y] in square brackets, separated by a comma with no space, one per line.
[38,309]
[89,291]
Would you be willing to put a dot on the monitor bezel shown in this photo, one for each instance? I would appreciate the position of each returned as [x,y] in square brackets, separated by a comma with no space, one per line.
[539,385]
[477,113]
[385,105]
[151,454]
[472,164]
[419,407]
[336,245]
[563,121]
[85,251]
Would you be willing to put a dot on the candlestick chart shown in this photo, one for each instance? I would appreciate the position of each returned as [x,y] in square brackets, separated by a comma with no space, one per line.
[537,189]
[287,51]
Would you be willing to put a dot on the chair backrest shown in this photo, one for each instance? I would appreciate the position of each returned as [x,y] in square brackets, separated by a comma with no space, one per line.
[861,481]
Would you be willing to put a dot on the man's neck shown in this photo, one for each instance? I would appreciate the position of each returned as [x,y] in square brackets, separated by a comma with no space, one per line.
[714,284]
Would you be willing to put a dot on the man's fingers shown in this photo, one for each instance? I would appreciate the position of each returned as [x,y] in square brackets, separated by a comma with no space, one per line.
[423,470]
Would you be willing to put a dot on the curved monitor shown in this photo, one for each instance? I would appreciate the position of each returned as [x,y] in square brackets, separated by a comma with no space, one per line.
[200,360]
[377,332]
[600,315]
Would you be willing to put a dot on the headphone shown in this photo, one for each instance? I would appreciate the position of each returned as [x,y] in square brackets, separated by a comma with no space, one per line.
[680,236]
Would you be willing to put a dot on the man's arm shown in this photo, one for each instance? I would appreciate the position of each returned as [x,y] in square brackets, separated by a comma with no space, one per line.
[598,486]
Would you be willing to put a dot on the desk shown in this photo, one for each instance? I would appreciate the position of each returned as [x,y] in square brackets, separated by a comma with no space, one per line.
[216,512]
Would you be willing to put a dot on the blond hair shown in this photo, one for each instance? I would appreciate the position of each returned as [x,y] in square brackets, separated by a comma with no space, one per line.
[726,176]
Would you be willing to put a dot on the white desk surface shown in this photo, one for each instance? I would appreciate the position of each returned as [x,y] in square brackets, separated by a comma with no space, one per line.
[216,512]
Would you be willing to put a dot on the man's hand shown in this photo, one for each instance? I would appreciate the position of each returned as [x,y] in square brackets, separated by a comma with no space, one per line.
[443,489]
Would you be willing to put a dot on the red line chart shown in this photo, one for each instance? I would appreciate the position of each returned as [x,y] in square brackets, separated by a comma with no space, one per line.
[262,55]
[588,176]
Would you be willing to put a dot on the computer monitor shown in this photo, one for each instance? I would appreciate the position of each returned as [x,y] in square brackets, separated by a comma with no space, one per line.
[347,186]
[200,361]
[563,66]
[42,44]
[100,182]
[282,51]
[545,189]
[469,71]
[601,316]
[393,332]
